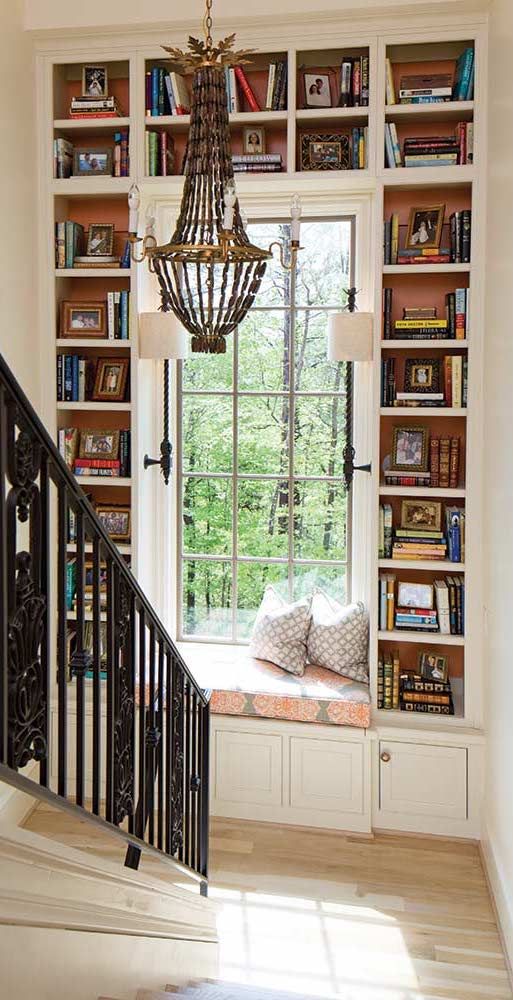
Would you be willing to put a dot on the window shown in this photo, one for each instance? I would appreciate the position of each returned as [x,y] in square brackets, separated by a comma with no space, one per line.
[261,434]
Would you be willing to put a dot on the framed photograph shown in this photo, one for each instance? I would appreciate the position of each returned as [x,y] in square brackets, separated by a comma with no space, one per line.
[410,449]
[92,162]
[423,375]
[99,444]
[100,239]
[433,667]
[318,87]
[83,319]
[415,595]
[94,81]
[253,140]
[324,151]
[418,514]
[116,520]
[111,379]
[425,227]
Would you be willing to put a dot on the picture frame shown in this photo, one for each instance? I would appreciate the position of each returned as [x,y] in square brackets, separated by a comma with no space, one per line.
[433,667]
[89,162]
[99,444]
[410,449]
[95,81]
[83,319]
[318,86]
[117,521]
[253,140]
[111,380]
[415,595]
[100,239]
[418,514]
[324,151]
[423,375]
[425,225]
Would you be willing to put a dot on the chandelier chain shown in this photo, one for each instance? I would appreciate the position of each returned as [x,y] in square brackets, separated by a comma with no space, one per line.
[207,26]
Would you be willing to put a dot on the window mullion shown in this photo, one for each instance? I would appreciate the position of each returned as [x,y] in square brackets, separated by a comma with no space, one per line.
[235,479]
[292,383]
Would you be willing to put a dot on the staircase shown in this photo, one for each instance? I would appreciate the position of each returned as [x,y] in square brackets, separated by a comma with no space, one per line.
[213,990]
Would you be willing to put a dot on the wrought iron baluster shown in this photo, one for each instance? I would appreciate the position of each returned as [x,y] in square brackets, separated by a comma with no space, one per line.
[160,750]
[187,775]
[124,707]
[204,789]
[80,660]
[141,809]
[45,591]
[194,780]
[4,583]
[132,687]
[62,640]
[99,654]
[111,575]
[169,750]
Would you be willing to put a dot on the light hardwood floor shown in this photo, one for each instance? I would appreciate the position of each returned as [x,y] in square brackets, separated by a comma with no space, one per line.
[323,914]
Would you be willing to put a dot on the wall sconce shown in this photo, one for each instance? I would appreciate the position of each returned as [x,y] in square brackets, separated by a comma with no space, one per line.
[162,337]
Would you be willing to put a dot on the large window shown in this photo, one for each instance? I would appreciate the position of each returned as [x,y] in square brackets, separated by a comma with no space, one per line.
[261,436]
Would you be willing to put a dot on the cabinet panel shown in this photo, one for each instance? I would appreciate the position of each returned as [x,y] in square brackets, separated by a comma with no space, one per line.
[326,775]
[423,780]
[248,768]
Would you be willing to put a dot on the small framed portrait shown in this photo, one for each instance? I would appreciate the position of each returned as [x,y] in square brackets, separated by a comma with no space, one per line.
[111,379]
[415,595]
[410,449]
[100,239]
[318,87]
[92,162]
[253,140]
[433,667]
[425,227]
[94,81]
[421,514]
[99,444]
[422,375]
[324,151]
[83,319]
[116,520]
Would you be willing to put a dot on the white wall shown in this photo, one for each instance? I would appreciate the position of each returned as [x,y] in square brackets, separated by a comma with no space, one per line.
[18,212]
[498,528]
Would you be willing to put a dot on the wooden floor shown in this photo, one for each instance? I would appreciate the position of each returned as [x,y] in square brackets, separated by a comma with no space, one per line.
[323,914]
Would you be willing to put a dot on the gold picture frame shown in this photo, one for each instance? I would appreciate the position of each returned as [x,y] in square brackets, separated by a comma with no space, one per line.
[324,151]
[83,319]
[433,667]
[116,519]
[100,239]
[421,514]
[99,444]
[111,380]
[425,224]
[410,449]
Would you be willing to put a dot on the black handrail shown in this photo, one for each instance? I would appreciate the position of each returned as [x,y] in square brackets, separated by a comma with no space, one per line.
[130,751]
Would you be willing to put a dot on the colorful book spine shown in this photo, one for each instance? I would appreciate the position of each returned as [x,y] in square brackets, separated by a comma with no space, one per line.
[246,89]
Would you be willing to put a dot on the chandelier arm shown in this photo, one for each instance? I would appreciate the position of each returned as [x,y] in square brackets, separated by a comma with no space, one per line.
[222,298]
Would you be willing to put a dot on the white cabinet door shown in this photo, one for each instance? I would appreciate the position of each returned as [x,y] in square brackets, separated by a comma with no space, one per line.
[248,768]
[422,780]
[326,775]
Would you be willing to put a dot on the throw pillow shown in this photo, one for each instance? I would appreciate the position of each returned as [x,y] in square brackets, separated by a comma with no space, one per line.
[339,637]
[280,632]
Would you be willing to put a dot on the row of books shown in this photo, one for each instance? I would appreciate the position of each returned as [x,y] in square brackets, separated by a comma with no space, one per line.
[451,392]
[444,467]
[433,88]
[410,692]
[238,89]
[69,246]
[75,378]
[456,249]
[358,148]
[95,107]
[443,611]
[118,315]
[166,93]
[69,441]
[430,151]
[354,82]
[423,543]
[253,163]
[159,154]
[422,322]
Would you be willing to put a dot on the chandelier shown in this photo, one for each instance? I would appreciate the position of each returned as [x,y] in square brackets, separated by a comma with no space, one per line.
[209,273]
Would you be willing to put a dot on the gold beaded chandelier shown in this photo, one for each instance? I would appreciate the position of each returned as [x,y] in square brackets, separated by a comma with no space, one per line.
[209,272]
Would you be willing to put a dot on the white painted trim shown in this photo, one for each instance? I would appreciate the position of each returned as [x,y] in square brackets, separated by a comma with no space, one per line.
[15,805]
[498,885]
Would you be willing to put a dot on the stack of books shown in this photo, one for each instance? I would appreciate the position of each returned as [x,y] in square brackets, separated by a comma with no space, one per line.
[457,308]
[388,680]
[418,544]
[421,327]
[419,695]
[166,93]
[408,543]
[69,241]
[450,604]
[96,260]
[250,163]
[62,158]
[159,153]
[120,160]
[431,151]
[460,230]
[422,323]
[95,107]
[416,619]
[354,82]
[427,88]
[456,249]
[69,440]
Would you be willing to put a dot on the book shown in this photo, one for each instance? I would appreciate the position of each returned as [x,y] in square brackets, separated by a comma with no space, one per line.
[387,313]
[394,238]
[464,76]
[387,530]
[246,89]
[445,451]
[62,158]
[389,83]
[454,462]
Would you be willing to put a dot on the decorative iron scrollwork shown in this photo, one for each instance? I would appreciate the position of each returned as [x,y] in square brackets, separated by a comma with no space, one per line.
[177,771]
[124,750]
[28,738]
[25,465]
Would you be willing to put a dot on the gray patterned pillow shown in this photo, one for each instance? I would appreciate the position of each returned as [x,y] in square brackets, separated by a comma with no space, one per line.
[339,637]
[280,632]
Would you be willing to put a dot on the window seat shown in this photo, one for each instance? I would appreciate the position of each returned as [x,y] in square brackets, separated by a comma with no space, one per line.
[244,686]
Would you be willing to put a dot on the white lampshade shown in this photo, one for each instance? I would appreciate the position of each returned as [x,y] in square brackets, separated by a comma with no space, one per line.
[350,336]
[161,335]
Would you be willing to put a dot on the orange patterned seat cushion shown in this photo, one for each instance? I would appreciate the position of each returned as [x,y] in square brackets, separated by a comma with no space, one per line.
[242,685]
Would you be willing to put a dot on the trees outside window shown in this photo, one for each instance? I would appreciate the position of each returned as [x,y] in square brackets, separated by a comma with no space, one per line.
[262,433]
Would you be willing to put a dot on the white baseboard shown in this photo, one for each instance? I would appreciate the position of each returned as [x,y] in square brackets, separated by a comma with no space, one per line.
[502,894]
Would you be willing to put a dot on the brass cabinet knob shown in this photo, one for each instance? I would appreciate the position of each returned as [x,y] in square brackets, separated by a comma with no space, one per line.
[385,756]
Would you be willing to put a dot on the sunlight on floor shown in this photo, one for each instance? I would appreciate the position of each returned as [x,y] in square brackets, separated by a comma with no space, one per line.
[312,947]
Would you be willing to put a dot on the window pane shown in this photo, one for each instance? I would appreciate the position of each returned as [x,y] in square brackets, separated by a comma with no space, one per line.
[331,579]
[207,434]
[319,513]
[313,371]
[275,289]
[252,579]
[319,436]
[207,598]
[263,517]
[207,516]
[209,371]
[324,263]
[263,434]
[264,352]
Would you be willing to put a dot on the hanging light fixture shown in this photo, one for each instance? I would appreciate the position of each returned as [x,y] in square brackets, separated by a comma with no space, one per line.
[209,272]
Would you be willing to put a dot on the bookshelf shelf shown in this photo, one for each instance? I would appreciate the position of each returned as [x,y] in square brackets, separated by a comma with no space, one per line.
[180,123]
[423,411]
[409,178]
[125,550]
[450,111]
[102,344]
[87,126]
[413,269]
[429,638]
[433,492]
[78,186]
[96,407]
[428,564]
[103,481]
[113,273]
[423,345]
[309,116]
